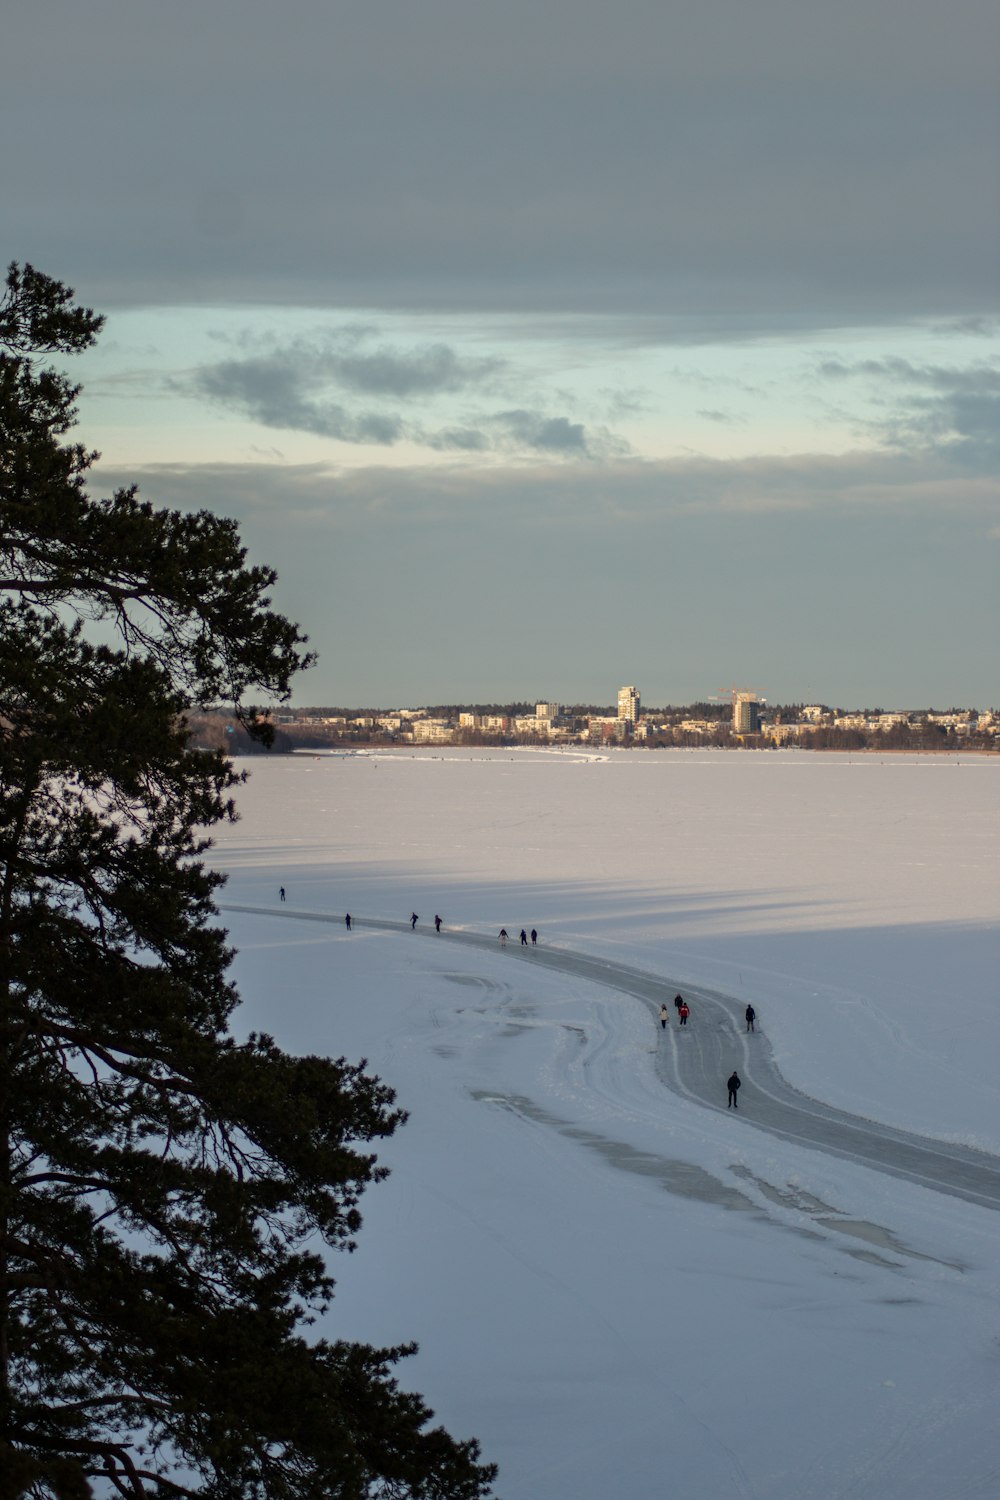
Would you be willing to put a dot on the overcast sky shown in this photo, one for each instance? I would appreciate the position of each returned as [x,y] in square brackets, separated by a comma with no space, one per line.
[545,348]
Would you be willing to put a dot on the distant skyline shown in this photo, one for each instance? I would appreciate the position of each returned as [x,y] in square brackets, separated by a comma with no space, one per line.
[609,706]
[548,345]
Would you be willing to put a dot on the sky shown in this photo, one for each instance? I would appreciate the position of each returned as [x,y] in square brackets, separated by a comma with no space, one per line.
[544,349]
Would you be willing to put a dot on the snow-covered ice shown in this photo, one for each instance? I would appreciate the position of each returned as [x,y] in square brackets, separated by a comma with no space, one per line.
[623,1294]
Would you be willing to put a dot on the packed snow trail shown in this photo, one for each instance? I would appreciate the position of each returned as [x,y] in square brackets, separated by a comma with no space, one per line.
[695,1060]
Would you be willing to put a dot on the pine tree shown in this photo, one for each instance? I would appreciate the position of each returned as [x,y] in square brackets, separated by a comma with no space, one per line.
[163,1188]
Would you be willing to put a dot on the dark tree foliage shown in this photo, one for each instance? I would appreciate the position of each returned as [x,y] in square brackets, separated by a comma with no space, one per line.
[166,1193]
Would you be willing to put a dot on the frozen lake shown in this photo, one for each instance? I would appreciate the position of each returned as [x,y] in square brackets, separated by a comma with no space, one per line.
[621,1291]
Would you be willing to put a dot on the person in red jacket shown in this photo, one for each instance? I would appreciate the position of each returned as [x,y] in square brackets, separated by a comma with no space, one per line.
[684,1012]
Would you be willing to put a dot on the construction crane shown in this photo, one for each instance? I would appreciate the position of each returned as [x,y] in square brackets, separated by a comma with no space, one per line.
[732,693]
[746,721]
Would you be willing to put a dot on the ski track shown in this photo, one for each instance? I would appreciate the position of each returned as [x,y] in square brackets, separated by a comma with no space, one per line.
[693,1061]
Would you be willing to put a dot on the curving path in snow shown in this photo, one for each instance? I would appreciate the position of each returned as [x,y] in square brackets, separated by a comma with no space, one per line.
[694,1061]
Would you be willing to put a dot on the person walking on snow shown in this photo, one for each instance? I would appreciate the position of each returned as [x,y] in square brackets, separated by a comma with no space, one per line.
[347,921]
[684,1012]
[534,937]
[664,1015]
[524,938]
[281,892]
[732,1084]
[413,920]
[751,1017]
[503,937]
[678,1002]
[437,924]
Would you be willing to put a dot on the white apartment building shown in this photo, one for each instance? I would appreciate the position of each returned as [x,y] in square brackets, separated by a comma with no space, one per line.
[431,731]
[960,716]
[889,721]
[628,704]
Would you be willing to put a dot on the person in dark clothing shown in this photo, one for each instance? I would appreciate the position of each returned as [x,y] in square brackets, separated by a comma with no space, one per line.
[503,937]
[733,1084]
[751,1017]
[437,924]
[524,938]
[684,1012]
[413,920]
[347,921]
[534,937]
[281,892]
[678,1002]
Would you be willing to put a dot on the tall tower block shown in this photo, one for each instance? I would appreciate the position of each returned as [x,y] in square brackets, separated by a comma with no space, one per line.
[628,705]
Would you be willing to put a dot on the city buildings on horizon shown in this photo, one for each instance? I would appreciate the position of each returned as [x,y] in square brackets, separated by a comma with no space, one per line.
[745,719]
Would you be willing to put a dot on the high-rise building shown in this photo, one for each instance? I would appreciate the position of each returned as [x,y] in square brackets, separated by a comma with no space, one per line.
[628,704]
[746,713]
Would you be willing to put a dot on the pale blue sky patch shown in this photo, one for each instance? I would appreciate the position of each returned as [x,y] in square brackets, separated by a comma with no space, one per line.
[305,374]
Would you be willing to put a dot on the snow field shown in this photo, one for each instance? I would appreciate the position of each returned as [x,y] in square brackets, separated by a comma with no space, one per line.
[622,1294]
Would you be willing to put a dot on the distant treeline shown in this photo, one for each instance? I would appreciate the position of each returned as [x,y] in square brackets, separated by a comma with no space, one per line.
[218,731]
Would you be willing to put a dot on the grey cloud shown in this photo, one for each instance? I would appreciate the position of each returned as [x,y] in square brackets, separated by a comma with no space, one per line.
[535,431]
[626,493]
[936,406]
[768,158]
[724,418]
[979,327]
[285,387]
[545,434]
[427,371]
[339,358]
[276,393]
[460,439]
[371,427]
[626,403]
